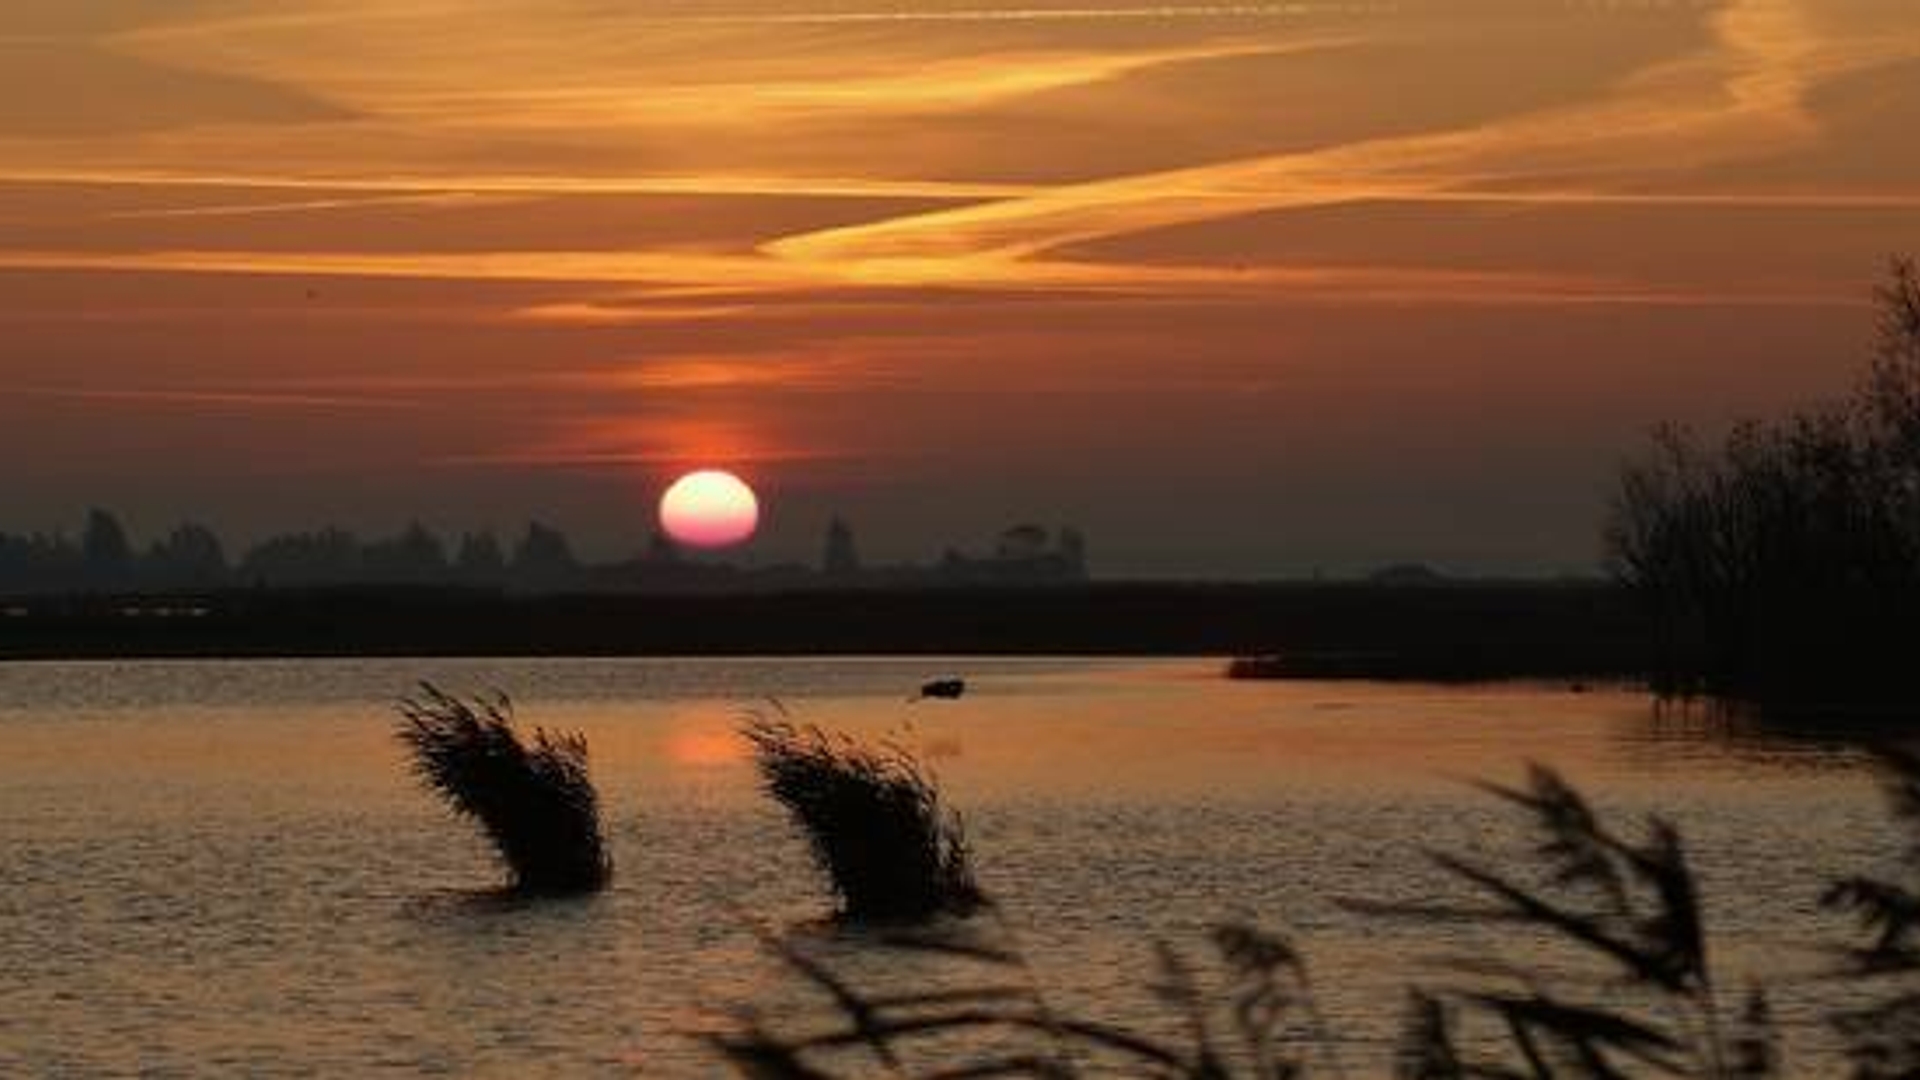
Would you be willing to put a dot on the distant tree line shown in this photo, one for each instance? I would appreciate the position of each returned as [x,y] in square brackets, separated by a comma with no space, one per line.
[192,556]
[1784,561]
[104,559]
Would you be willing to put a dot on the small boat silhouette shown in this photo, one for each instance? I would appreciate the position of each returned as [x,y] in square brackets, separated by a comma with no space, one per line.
[945,689]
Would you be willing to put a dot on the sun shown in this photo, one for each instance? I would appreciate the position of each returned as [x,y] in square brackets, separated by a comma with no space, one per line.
[709,508]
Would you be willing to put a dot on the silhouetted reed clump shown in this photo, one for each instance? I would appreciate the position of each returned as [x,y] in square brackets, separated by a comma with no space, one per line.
[874,820]
[534,799]
[1645,1001]
[1882,1035]
[1785,563]
[1647,997]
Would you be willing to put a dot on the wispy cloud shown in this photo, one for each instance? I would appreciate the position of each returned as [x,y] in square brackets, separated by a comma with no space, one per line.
[939,85]
[302,206]
[471,182]
[1643,142]
[736,372]
[601,313]
[1744,95]
[661,441]
[747,275]
[215,399]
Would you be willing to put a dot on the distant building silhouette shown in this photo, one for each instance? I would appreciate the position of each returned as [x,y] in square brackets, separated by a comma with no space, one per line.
[1020,543]
[1024,554]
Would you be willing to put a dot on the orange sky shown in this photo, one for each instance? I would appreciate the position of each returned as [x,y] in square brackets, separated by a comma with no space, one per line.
[1238,288]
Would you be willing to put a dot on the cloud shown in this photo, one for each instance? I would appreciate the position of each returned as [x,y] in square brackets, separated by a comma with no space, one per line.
[1645,140]
[302,206]
[736,372]
[601,313]
[204,398]
[53,87]
[655,441]
[1744,95]
[471,183]
[871,88]
[817,279]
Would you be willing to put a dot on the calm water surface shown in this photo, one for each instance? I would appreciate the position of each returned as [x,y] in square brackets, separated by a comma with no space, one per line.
[224,868]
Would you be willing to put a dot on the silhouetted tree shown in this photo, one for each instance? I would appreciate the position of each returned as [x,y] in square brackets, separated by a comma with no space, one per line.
[841,558]
[480,560]
[108,554]
[661,549]
[1073,552]
[414,556]
[190,557]
[1786,560]
[328,557]
[39,563]
[544,559]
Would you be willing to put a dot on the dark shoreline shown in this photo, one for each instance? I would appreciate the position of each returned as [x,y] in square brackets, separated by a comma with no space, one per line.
[1456,631]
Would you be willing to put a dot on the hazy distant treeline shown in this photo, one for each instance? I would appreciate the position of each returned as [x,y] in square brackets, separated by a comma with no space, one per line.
[105,558]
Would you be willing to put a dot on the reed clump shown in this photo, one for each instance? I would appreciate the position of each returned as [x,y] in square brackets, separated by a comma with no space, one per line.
[873,819]
[532,797]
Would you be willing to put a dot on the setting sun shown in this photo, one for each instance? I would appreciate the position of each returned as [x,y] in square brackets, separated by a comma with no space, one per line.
[709,508]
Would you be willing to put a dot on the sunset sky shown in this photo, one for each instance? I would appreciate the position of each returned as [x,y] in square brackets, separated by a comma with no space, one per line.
[1239,289]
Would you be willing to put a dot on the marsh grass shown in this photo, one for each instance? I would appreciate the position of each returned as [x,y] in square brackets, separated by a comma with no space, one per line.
[533,798]
[873,819]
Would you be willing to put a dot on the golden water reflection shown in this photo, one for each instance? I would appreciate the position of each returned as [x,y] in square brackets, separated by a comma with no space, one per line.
[226,867]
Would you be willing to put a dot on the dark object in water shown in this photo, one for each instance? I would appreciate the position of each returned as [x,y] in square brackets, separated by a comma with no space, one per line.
[945,689]
[535,802]
[874,821]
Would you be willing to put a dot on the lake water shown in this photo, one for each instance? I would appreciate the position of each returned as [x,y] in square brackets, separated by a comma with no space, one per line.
[224,867]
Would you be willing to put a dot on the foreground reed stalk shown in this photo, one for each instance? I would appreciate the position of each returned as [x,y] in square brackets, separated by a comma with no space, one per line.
[1645,1003]
[873,819]
[533,799]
